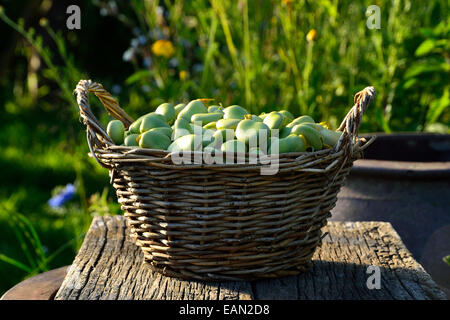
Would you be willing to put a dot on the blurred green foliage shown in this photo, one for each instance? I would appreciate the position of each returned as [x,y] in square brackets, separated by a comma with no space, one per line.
[253,53]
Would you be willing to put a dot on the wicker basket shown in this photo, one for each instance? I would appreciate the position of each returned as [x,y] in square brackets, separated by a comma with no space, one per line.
[224,221]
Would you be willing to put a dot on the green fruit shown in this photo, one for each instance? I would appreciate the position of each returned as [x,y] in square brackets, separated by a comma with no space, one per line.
[178,108]
[192,108]
[207,136]
[151,121]
[215,108]
[167,111]
[227,123]
[211,126]
[205,118]
[316,126]
[181,128]
[234,112]
[131,140]
[164,130]
[299,120]
[154,140]
[224,135]
[233,146]
[311,135]
[248,131]
[274,120]
[253,117]
[330,137]
[135,126]
[195,128]
[291,143]
[288,117]
[220,136]
[284,132]
[188,142]
[116,131]
[286,114]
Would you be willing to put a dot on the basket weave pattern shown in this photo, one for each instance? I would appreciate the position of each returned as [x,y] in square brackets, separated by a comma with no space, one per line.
[224,221]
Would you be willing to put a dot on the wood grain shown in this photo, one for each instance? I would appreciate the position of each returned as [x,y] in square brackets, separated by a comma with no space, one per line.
[110,266]
[40,287]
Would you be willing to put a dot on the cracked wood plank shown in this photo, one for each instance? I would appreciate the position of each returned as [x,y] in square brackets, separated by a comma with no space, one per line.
[109,266]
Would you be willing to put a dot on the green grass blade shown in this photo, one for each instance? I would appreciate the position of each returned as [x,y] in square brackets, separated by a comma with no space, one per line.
[15,263]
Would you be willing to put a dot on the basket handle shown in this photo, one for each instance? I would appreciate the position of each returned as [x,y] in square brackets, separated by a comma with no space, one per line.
[96,135]
[352,121]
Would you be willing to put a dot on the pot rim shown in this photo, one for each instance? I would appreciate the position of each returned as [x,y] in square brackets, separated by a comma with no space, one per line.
[404,169]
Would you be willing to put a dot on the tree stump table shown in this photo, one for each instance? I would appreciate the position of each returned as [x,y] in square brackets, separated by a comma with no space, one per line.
[110,266]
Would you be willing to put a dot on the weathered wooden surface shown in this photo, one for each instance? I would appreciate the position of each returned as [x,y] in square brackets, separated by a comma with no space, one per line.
[110,266]
[40,287]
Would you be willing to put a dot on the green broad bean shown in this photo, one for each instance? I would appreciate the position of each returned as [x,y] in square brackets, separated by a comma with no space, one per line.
[292,143]
[188,142]
[132,140]
[116,131]
[284,132]
[233,146]
[181,128]
[300,120]
[234,112]
[167,110]
[227,123]
[330,137]
[211,126]
[274,120]
[151,121]
[249,131]
[178,108]
[215,108]
[288,117]
[311,135]
[164,130]
[192,108]
[154,140]
[205,118]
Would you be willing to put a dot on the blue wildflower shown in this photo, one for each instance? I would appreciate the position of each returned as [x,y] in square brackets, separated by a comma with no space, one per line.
[134,42]
[147,62]
[173,63]
[146,88]
[198,67]
[142,40]
[65,195]
[116,89]
[128,55]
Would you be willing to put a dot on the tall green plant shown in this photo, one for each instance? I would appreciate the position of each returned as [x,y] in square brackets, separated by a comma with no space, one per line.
[65,76]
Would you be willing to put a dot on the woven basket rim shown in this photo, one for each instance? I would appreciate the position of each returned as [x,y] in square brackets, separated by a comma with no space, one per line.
[286,159]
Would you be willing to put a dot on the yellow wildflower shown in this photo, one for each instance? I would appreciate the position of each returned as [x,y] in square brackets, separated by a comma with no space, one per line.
[183,75]
[311,36]
[286,2]
[163,48]
[43,22]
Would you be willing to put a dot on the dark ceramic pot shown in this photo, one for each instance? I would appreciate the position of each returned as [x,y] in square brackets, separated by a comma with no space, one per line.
[404,179]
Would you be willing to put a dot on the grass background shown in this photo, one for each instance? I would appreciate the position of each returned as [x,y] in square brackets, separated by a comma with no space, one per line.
[248,52]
